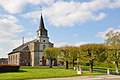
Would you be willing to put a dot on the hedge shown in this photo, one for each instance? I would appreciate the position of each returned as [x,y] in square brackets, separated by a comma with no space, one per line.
[9,68]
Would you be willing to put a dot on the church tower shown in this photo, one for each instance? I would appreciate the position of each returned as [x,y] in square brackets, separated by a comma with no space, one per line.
[43,40]
[41,32]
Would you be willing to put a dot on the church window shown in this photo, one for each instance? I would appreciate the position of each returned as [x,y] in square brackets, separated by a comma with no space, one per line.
[16,57]
[44,47]
[9,58]
[38,34]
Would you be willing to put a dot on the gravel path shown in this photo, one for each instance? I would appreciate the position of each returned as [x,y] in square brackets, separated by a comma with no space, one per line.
[100,77]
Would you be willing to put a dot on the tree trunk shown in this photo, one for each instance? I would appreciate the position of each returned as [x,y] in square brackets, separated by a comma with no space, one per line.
[73,62]
[51,63]
[66,64]
[55,62]
[116,67]
[91,66]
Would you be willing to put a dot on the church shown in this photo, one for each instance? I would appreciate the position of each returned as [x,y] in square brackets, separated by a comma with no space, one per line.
[32,53]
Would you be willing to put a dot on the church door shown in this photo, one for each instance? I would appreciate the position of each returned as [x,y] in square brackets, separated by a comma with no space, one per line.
[43,61]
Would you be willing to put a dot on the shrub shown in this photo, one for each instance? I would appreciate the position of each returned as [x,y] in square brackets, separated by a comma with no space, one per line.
[9,68]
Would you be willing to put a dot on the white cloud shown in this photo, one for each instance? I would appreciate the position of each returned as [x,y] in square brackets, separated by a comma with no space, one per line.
[67,14]
[9,25]
[9,29]
[102,34]
[2,51]
[17,6]
[12,6]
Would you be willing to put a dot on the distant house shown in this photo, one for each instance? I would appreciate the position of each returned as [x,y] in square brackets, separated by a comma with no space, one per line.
[31,53]
[3,60]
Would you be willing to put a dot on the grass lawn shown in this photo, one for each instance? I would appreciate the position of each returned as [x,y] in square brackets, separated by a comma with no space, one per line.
[41,72]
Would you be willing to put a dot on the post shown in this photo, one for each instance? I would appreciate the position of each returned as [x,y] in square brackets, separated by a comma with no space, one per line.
[108,71]
[79,70]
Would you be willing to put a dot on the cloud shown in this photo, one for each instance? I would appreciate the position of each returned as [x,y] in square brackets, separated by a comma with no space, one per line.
[2,51]
[17,6]
[102,34]
[9,25]
[9,30]
[69,13]
[12,6]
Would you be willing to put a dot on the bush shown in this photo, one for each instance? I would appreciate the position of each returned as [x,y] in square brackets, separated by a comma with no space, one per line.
[9,68]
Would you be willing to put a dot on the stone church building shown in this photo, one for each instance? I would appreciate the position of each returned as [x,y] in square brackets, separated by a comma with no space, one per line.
[31,53]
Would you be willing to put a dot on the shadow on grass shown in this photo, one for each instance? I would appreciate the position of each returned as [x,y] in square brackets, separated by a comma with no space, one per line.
[20,71]
[113,73]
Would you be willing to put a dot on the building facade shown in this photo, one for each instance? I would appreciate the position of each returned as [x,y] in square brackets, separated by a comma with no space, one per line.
[3,60]
[32,53]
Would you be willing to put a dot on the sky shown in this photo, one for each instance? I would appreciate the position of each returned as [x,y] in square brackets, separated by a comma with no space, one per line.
[69,22]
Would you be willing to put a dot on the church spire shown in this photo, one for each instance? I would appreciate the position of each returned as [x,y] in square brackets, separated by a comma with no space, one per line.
[41,32]
[41,23]
[41,26]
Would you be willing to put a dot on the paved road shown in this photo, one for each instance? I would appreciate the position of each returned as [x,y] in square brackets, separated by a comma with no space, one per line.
[100,77]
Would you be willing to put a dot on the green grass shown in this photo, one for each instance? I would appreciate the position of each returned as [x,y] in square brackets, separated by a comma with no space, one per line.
[41,72]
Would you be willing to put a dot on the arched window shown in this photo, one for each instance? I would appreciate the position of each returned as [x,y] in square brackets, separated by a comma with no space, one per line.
[44,47]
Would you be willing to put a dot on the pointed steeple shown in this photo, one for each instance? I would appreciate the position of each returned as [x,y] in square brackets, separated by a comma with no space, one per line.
[41,23]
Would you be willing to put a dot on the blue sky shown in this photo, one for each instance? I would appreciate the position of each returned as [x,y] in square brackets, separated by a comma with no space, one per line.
[69,22]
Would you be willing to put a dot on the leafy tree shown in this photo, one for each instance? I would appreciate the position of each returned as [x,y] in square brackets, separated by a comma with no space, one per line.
[114,55]
[74,51]
[51,54]
[92,53]
[113,37]
[113,42]
[65,55]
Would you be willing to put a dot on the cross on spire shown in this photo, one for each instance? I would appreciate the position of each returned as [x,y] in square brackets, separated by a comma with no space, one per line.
[41,8]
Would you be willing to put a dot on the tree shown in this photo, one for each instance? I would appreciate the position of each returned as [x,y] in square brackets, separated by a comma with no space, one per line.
[51,54]
[112,38]
[91,53]
[65,55]
[73,53]
[113,42]
[114,56]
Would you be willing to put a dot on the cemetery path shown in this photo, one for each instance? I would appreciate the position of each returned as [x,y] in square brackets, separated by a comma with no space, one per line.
[100,77]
